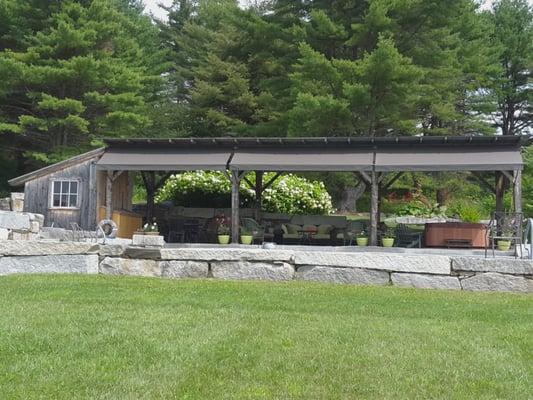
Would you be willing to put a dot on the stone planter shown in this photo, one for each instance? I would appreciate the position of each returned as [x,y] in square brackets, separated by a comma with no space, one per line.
[154,233]
[148,240]
[387,242]
[223,239]
[247,239]
[504,245]
[362,241]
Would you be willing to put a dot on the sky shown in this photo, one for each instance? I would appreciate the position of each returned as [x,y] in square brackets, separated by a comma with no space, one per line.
[152,6]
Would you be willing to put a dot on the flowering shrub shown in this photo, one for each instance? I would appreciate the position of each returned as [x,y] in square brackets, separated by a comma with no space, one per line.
[290,194]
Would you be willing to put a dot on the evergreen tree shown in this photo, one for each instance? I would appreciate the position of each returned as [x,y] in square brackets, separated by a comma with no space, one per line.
[87,71]
[512,37]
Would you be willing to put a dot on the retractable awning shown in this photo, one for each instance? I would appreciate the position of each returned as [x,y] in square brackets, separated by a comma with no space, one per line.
[449,159]
[303,159]
[161,159]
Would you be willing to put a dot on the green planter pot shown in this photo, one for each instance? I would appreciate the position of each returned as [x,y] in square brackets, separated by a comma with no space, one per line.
[504,245]
[387,242]
[223,239]
[362,241]
[247,239]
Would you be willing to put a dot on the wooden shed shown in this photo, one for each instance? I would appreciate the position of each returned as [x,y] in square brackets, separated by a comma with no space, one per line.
[74,192]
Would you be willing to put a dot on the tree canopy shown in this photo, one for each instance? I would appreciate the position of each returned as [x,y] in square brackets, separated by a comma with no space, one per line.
[76,71]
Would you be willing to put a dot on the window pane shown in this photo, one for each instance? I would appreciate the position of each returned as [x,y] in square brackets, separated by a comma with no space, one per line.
[74,187]
[64,200]
[64,186]
[57,187]
[56,200]
[73,200]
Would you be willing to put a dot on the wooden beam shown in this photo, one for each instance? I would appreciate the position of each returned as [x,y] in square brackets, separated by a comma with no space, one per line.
[235,223]
[393,179]
[499,191]
[92,212]
[272,180]
[517,191]
[247,181]
[364,175]
[258,193]
[374,208]
[509,175]
[109,195]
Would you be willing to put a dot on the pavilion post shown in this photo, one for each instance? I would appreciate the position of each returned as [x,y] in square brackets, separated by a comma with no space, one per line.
[499,191]
[235,183]
[109,195]
[258,192]
[374,207]
[517,191]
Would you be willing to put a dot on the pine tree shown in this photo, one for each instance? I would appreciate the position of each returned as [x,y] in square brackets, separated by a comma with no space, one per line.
[87,72]
[512,22]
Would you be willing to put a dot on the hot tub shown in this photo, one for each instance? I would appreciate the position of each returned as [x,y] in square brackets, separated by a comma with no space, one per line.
[440,234]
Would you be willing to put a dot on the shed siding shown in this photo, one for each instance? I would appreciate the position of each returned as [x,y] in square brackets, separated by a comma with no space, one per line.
[37,197]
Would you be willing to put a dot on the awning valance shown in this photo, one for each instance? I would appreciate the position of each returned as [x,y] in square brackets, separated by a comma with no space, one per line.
[140,159]
[302,160]
[451,159]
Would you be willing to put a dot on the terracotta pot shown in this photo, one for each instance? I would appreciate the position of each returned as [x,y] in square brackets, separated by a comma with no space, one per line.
[362,241]
[387,242]
[223,239]
[504,245]
[247,239]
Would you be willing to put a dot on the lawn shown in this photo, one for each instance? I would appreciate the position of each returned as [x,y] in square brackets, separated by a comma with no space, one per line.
[75,337]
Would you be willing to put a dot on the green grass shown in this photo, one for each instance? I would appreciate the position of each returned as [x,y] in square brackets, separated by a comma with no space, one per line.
[75,337]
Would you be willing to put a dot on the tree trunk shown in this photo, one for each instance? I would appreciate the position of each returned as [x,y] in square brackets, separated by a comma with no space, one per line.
[350,197]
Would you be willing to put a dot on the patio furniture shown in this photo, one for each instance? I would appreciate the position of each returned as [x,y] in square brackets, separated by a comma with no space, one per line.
[191,229]
[505,226]
[176,231]
[351,231]
[407,237]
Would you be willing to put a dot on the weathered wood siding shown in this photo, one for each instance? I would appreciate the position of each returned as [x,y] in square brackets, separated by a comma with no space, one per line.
[122,190]
[37,197]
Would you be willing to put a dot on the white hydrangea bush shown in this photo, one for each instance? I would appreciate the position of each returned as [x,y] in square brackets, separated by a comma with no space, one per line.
[290,194]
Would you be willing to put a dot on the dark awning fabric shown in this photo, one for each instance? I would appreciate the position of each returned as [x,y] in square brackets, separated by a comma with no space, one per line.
[302,160]
[139,159]
[451,159]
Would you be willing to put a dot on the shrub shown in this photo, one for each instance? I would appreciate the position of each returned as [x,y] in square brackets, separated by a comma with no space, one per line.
[467,212]
[290,194]
[419,209]
[293,194]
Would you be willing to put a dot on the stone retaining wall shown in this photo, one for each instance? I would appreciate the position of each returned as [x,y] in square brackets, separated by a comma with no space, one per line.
[427,271]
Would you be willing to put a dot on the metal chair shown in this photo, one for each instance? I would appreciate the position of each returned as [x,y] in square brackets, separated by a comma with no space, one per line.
[251,225]
[505,226]
[407,237]
[191,228]
[176,231]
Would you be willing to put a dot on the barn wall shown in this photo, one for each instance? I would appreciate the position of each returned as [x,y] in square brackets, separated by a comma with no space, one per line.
[37,197]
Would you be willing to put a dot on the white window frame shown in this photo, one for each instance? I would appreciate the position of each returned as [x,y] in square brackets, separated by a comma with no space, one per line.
[78,193]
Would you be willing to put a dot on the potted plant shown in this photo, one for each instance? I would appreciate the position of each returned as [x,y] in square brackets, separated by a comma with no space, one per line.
[247,237]
[388,239]
[151,228]
[505,244]
[223,233]
[362,239]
